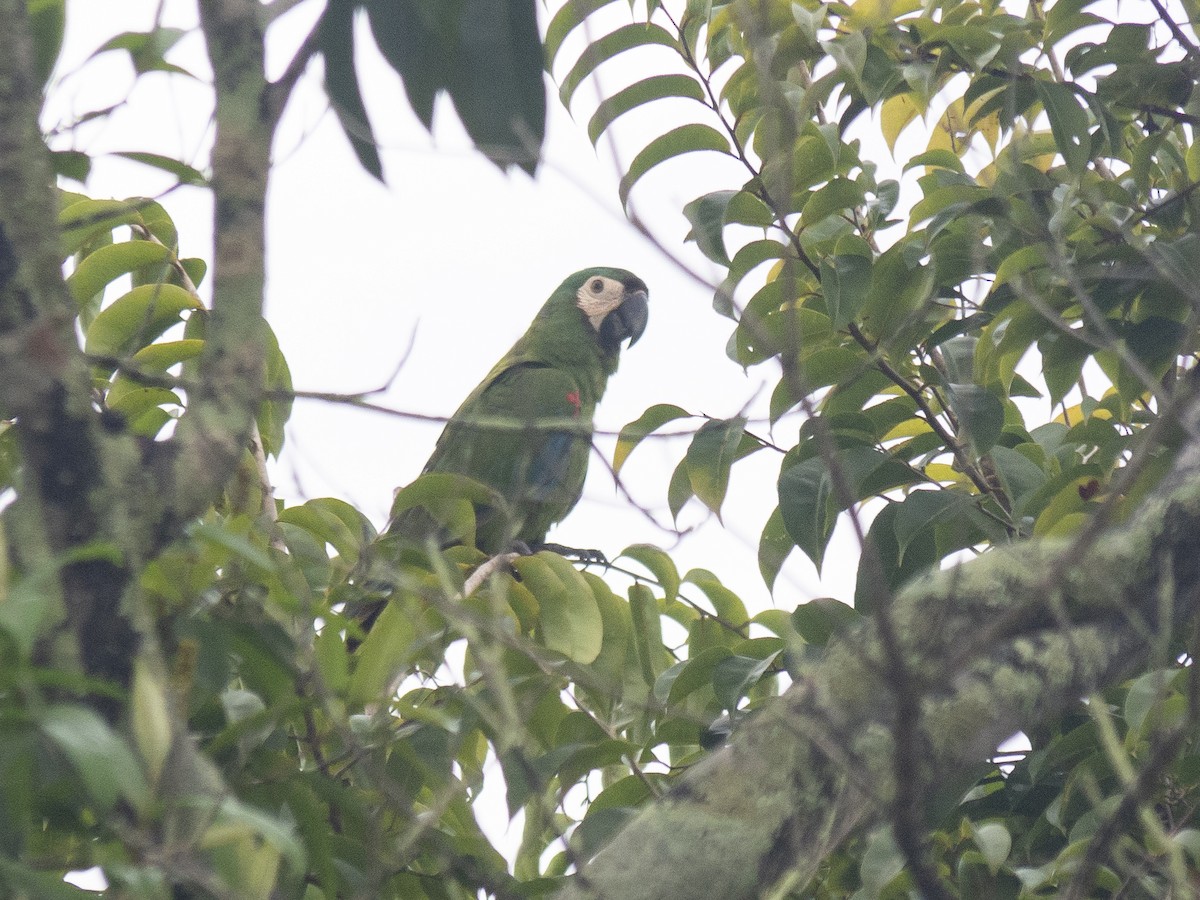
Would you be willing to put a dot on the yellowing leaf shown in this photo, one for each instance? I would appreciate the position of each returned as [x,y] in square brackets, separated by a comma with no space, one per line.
[876,13]
[1193,160]
[907,429]
[895,115]
[944,473]
[989,128]
[951,130]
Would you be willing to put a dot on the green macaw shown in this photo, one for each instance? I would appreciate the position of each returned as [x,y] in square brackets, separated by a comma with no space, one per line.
[509,435]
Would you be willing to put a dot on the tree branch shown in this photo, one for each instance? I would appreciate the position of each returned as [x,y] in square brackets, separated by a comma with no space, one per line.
[215,431]
[69,516]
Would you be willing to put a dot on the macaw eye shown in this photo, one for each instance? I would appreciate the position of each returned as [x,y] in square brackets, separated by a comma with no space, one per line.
[597,285]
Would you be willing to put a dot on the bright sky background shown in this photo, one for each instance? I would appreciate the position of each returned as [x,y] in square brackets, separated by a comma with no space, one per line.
[453,258]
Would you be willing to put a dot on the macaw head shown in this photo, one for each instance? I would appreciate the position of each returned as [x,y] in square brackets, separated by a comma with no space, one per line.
[615,303]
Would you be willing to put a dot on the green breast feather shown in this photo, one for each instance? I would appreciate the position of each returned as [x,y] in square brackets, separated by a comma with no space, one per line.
[526,431]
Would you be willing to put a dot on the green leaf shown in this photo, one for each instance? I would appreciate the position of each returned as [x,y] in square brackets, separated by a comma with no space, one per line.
[1145,694]
[901,286]
[733,677]
[656,87]
[161,356]
[47,19]
[980,414]
[336,41]
[223,534]
[689,138]
[605,48]
[710,457]
[617,624]
[647,631]
[1063,358]
[570,619]
[108,263]
[569,17]
[679,488]
[494,78]
[1068,123]
[882,861]
[450,498]
[707,217]
[726,604]
[807,507]
[846,283]
[74,164]
[137,318]
[238,822]
[147,50]
[1021,476]
[275,411]
[103,761]
[921,511]
[774,547]
[332,521]
[689,675]
[994,842]
[745,260]
[602,825]
[849,51]
[839,195]
[141,407]
[1178,260]
[818,620]
[1019,262]
[385,652]
[882,571]
[1189,840]
[416,44]
[182,171]
[85,220]
[635,432]
[660,565]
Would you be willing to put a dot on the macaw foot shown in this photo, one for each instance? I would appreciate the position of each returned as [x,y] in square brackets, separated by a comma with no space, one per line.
[587,557]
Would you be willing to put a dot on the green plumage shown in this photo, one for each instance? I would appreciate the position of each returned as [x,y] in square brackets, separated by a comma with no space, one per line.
[526,431]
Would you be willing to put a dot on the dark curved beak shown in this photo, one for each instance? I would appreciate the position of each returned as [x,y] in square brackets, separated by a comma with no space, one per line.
[627,321]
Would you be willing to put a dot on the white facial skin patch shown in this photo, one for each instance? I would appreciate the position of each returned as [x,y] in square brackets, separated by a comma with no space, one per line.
[598,297]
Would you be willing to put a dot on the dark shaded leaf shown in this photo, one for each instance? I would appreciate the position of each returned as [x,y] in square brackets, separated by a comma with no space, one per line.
[818,620]
[980,414]
[341,83]
[710,457]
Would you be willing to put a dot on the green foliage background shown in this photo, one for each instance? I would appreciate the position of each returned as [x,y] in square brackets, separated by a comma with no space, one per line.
[987,351]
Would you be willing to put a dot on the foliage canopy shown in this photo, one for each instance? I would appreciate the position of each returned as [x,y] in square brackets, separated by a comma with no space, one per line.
[989,336]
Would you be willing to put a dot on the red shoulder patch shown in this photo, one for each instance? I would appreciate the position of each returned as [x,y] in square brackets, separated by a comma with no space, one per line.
[573,399]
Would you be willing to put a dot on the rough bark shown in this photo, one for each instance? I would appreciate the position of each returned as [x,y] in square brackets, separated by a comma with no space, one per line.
[66,519]
[215,432]
[965,658]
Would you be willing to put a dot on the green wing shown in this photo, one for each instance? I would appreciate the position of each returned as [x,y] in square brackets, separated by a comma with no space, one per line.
[504,437]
